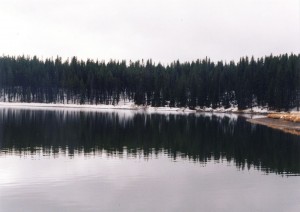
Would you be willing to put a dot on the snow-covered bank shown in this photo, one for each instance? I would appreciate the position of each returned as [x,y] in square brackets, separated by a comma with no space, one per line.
[234,109]
[133,107]
[126,106]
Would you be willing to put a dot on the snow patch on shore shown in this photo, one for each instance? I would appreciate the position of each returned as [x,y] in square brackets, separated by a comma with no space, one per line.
[128,105]
[123,106]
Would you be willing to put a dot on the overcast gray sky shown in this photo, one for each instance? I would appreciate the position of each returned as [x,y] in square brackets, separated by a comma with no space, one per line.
[164,30]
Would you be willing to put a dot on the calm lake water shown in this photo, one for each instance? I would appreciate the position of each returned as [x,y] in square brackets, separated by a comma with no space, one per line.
[64,160]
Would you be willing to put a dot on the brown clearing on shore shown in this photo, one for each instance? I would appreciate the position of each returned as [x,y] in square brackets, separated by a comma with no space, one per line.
[279,124]
[285,116]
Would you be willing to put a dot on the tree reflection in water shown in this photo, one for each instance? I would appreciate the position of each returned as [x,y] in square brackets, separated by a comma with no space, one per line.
[197,137]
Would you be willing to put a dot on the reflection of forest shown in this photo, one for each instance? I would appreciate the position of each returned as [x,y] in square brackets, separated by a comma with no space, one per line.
[196,137]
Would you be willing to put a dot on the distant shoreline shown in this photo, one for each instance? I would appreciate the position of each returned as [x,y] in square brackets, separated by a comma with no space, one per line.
[279,124]
[132,107]
[128,106]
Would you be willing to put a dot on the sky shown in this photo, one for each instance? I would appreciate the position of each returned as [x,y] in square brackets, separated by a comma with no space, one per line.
[163,30]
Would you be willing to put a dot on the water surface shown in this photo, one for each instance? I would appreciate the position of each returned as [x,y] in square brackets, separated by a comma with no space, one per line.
[68,160]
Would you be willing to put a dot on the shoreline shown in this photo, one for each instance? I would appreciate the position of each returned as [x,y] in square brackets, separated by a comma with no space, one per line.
[261,116]
[292,117]
[278,124]
[129,106]
[101,107]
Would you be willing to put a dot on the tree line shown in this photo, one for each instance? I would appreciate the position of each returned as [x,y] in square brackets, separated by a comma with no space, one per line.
[272,81]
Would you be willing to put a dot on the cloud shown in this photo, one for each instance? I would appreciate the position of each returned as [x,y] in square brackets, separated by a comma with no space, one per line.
[163,30]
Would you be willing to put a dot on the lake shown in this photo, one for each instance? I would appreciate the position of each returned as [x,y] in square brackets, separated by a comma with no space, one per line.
[72,160]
